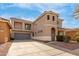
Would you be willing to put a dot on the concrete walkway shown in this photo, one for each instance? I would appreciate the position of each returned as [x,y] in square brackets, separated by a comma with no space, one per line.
[34,48]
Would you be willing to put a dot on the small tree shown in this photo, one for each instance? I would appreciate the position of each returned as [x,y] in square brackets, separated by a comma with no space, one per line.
[76,12]
[77,37]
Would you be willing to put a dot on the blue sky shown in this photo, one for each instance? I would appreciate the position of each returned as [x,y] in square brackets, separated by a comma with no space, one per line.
[31,11]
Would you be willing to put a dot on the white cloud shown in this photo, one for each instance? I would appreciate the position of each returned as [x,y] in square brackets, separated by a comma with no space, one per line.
[5,7]
[23,5]
[50,6]
[7,16]
[20,5]
[70,24]
[41,6]
[25,18]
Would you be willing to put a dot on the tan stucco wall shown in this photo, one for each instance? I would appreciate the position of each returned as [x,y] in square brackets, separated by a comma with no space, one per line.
[4,32]
[46,26]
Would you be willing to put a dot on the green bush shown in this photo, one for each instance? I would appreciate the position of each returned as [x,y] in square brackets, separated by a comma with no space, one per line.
[77,37]
[66,39]
[63,38]
[60,38]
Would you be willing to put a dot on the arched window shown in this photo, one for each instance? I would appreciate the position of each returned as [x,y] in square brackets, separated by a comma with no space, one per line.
[48,17]
[53,18]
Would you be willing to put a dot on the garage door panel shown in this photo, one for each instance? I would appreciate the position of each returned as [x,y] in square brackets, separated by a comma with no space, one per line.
[22,36]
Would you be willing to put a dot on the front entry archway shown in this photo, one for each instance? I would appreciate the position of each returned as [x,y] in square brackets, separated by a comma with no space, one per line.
[53,34]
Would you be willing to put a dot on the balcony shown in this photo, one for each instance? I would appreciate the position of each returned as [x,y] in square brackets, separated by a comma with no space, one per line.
[21,26]
[17,25]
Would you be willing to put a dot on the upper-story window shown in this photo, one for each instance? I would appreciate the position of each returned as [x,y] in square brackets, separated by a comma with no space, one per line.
[28,26]
[33,34]
[17,25]
[53,18]
[48,17]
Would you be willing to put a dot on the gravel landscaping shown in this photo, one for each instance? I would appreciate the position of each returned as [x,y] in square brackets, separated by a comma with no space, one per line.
[70,46]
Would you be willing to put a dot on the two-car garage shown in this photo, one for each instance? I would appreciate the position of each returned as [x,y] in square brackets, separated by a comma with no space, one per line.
[22,36]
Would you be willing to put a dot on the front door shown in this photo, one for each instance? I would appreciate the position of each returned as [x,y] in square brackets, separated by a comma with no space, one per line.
[53,34]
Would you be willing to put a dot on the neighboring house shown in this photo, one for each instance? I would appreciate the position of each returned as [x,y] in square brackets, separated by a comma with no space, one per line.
[4,30]
[46,27]
[72,33]
[21,29]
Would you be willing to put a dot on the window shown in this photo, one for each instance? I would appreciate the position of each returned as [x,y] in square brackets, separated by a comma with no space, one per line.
[33,34]
[17,25]
[53,18]
[48,17]
[28,26]
[60,33]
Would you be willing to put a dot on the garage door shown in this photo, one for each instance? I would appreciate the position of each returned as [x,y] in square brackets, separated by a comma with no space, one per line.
[22,36]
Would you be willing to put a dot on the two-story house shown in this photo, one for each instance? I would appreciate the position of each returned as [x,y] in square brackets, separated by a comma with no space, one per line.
[46,27]
[21,29]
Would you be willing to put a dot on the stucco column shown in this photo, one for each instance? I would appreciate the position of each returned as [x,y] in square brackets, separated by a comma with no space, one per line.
[56,32]
[64,32]
[13,25]
[23,26]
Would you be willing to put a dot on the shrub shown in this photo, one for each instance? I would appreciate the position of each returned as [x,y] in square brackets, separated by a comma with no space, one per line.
[60,38]
[63,38]
[77,39]
[66,39]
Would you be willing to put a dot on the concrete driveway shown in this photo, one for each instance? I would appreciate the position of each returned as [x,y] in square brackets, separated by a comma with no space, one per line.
[34,48]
